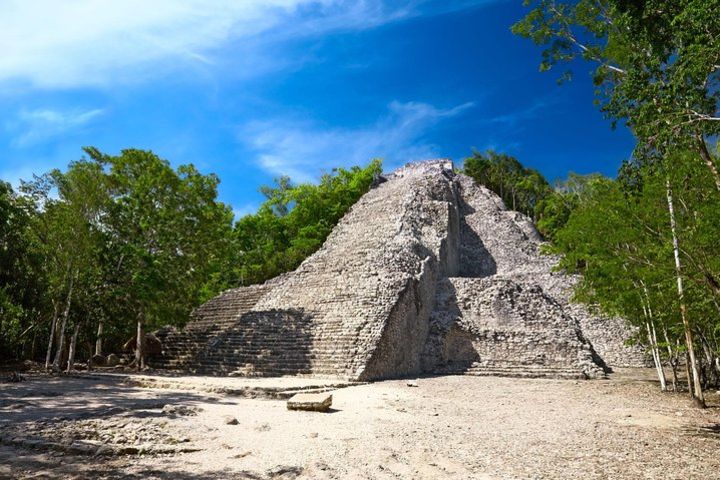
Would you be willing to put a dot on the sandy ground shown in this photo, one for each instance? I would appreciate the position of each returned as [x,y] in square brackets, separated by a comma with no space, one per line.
[447,427]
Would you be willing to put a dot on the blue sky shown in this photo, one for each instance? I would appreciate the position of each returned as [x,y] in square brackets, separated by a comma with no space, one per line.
[251,90]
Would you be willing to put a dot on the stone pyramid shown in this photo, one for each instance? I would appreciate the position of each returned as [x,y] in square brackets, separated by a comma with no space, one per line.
[427,273]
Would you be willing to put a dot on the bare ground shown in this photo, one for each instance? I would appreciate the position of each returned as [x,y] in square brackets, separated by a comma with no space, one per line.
[447,427]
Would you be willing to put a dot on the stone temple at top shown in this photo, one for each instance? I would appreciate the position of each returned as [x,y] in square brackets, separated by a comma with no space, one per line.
[427,273]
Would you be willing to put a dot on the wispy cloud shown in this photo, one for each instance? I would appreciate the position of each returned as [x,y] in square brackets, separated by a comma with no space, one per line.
[75,43]
[531,111]
[32,126]
[304,149]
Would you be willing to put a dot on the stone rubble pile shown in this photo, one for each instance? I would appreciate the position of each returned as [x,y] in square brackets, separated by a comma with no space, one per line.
[427,272]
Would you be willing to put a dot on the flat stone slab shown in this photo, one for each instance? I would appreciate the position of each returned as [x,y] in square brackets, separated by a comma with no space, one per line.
[314,402]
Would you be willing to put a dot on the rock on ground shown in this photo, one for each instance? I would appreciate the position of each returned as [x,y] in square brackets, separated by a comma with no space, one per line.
[316,402]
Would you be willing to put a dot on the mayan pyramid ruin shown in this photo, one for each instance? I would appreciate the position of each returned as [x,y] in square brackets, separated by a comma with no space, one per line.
[427,273]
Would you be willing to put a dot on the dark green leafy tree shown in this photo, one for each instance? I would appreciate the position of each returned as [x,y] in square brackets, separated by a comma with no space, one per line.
[67,234]
[657,66]
[22,283]
[553,211]
[118,244]
[166,236]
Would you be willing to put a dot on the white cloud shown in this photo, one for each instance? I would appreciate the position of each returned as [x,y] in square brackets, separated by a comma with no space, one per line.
[71,43]
[41,124]
[303,149]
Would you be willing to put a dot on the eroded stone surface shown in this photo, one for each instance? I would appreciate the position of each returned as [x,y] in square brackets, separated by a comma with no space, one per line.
[427,272]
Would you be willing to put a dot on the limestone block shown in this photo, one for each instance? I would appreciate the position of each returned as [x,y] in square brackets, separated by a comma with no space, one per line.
[314,402]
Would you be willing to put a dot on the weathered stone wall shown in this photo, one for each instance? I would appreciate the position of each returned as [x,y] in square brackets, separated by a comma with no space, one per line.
[512,245]
[426,272]
[493,323]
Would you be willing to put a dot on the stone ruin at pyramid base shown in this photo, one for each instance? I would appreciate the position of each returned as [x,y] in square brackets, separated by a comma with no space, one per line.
[427,273]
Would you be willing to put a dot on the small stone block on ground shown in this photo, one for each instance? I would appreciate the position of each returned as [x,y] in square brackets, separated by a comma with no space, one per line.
[314,402]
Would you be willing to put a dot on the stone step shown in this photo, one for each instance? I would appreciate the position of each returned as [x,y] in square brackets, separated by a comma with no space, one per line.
[290,363]
[231,366]
[524,372]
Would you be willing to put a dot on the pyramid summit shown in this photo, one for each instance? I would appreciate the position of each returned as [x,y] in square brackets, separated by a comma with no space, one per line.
[427,273]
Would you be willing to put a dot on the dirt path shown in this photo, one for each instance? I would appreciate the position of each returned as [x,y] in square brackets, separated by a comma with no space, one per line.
[448,427]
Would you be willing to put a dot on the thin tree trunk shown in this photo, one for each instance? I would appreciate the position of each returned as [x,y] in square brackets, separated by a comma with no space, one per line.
[663,381]
[33,345]
[652,338]
[707,158]
[99,341]
[53,325]
[688,375]
[673,359]
[656,357]
[73,346]
[697,390]
[140,345]
[66,312]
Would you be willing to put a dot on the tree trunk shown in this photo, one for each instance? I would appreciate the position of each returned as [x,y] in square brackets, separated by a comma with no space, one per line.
[673,360]
[652,338]
[688,375]
[98,342]
[33,345]
[661,373]
[697,392]
[656,357]
[61,341]
[53,325]
[140,346]
[73,346]
[707,158]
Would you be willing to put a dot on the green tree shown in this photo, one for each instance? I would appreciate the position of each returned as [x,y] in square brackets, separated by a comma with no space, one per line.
[657,69]
[67,234]
[22,283]
[618,238]
[553,211]
[167,235]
